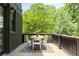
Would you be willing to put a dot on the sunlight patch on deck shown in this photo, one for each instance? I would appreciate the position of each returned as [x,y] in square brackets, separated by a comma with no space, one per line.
[25,50]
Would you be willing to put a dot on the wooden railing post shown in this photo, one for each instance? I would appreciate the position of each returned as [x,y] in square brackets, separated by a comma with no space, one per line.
[22,38]
[59,42]
[77,49]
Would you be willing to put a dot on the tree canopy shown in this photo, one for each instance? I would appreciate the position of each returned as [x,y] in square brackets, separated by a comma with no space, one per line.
[67,20]
[39,19]
[42,18]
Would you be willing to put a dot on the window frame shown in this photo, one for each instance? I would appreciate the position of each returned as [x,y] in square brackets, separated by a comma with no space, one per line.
[13,19]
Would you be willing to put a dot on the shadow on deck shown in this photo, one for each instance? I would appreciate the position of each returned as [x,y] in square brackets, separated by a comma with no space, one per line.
[49,50]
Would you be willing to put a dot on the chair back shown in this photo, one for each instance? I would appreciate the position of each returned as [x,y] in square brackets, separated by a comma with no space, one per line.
[27,38]
[46,38]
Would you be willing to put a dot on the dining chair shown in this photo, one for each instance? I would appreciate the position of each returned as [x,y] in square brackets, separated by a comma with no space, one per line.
[28,40]
[36,41]
[45,40]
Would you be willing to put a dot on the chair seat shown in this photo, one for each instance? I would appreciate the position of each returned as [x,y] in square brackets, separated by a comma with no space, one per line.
[37,43]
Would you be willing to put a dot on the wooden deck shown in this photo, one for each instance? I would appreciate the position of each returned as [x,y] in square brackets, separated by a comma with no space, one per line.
[49,50]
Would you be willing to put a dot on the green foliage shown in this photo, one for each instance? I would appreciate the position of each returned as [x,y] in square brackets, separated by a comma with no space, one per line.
[67,20]
[42,18]
[39,19]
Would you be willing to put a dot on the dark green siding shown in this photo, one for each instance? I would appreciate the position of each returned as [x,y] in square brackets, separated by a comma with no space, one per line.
[16,37]
[12,39]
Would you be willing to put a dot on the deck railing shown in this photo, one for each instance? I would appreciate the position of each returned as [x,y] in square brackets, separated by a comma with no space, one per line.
[68,43]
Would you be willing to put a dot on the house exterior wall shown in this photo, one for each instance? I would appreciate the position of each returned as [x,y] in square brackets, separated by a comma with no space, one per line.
[12,39]
[16,37]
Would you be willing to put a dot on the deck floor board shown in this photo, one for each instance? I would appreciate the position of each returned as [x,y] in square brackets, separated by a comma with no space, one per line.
[49,50]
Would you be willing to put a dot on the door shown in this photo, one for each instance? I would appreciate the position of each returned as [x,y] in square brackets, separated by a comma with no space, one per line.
[1,30]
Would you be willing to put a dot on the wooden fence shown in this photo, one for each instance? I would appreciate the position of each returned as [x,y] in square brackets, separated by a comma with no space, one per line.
[69,43]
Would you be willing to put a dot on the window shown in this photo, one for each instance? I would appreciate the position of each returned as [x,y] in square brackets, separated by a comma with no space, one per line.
[13,19]
[1,28]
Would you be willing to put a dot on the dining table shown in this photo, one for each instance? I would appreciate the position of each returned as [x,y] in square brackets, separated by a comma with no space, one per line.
[34,37]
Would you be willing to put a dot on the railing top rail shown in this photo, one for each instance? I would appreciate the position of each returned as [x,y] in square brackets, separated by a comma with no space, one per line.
[37,34]
[67,36]
[61,35]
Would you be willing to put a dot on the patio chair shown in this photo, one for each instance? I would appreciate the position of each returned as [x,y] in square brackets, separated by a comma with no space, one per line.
[45,40]
[36,41]
[27,40]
